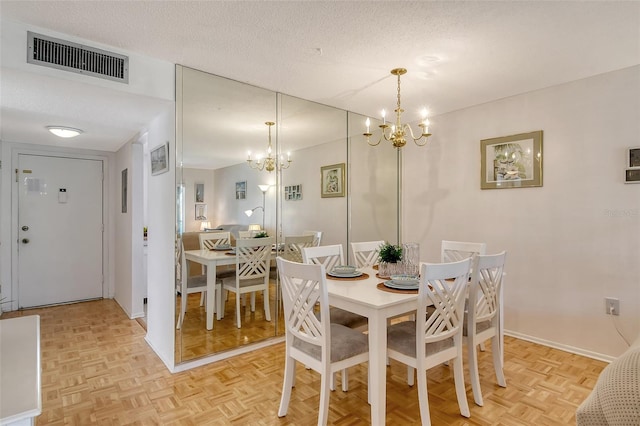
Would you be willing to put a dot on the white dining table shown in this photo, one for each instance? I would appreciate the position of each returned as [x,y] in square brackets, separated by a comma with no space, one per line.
[362,297]
[211,259]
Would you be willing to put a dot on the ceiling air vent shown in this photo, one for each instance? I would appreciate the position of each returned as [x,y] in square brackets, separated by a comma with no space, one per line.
[65,55]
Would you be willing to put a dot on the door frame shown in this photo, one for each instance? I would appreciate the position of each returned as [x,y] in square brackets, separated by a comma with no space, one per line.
[107,285]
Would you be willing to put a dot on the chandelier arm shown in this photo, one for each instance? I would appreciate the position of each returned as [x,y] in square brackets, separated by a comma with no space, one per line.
[422,135]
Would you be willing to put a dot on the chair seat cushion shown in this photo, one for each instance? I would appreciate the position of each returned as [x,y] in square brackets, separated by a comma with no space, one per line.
[346,318]
[401,337]
[480,326]
[345,343]
[197,281]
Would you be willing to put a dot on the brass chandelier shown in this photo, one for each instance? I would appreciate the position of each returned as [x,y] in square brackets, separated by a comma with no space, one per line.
[270,162]
[397,132]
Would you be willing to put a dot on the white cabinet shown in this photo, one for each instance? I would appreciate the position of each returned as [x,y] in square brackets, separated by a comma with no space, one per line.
[20,395]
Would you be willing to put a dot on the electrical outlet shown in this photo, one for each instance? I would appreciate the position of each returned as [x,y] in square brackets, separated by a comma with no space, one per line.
[612,305]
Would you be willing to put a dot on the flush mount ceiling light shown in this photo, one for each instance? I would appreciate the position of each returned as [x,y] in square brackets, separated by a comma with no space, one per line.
[64,132]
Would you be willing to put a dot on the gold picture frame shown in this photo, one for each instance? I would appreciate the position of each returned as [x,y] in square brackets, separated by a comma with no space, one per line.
[511,161]
[332,181]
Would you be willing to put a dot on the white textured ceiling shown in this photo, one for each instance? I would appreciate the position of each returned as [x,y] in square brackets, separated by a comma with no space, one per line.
[333,52]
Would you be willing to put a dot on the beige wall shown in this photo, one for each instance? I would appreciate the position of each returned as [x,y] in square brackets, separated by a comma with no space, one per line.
[570,243]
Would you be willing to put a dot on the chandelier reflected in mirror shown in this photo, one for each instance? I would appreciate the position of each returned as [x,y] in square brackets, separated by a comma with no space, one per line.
[397,133]
[271,161]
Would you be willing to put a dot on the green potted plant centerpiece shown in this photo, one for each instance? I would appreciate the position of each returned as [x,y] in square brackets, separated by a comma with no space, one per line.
[390,256]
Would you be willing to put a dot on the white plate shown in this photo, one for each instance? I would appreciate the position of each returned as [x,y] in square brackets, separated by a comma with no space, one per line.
[354,275]
[406,283]
[391,284]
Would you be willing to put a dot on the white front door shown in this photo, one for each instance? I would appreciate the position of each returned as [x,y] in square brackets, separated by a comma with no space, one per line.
[59,230]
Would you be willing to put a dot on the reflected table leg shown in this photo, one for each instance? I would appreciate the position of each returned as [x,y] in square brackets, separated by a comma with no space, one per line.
[211,293]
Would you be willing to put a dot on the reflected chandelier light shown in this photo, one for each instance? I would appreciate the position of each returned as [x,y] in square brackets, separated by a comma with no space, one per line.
[270,162]
[398,131]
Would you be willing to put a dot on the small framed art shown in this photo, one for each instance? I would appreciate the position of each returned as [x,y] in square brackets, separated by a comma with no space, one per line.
[160,159]
[332,181]
[241,190]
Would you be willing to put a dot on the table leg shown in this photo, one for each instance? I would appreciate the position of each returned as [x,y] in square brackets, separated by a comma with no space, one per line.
[378,368]
[211,293]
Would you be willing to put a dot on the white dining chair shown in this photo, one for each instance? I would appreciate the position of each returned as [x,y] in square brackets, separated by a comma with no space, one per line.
[312,339]
[317,237]
[246,234]
[190,285]
[435,337]
[452,251]
[211,240]
[483,313]
[366,253]
[293,245]
[253,259]
[330,256]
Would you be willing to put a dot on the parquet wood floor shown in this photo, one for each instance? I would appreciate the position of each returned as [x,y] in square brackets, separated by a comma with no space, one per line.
[98,370]
[197,341]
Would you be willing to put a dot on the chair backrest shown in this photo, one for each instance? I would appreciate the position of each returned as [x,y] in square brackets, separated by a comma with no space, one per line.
[443,287]
[293,246]
[303,287]
[253,257]
[485,288]
[246,234]
[328,256]
[317,236]
[366,253]
[209,240]
[452,251]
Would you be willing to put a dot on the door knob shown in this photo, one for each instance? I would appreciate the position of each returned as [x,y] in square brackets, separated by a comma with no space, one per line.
[25,241]
[25,228]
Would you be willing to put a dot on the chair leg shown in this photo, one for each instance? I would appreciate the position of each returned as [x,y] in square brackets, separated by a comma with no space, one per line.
[472,349]
[332,382]
[458,377]
[219,313]
[238,296]
[411,373]
[183,308]
[288,383]
[497,362]
[267,308]
[323,411]
[203,295]
[423,398]
[253,301]
[345,380]
[482,349]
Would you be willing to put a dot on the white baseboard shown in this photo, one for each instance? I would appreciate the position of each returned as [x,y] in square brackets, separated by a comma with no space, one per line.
[224,355]
[562,347]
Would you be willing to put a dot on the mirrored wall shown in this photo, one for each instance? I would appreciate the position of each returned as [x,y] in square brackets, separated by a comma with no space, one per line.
[219,121]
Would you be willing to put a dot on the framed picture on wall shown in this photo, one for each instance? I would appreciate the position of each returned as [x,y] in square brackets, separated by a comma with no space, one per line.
[160,159]
[332,182]
[199,193]
[241,190]
[201,212]
[511,161]
[293,192]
